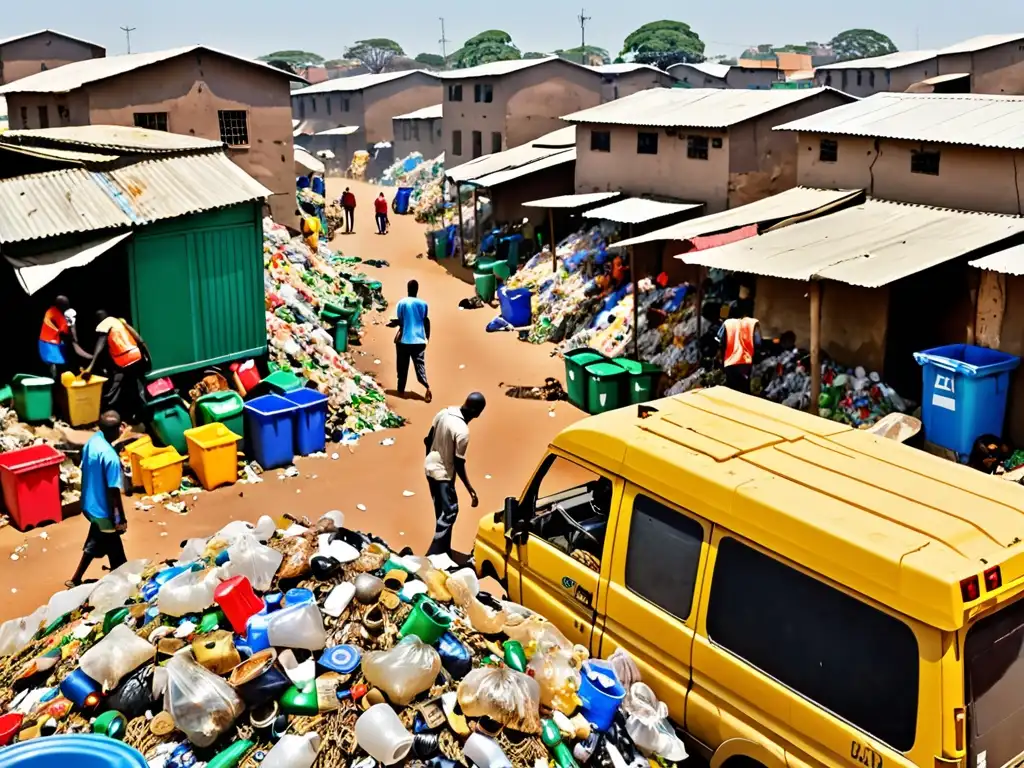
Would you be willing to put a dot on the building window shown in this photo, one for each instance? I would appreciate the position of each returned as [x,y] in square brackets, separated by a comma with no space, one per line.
[454,93]
[44,117]
[871,78]
[154,121]
[495,142]
[925,161]
[457,143]
[697,147]
[860,77]
[845,73]
[478,144]
[646,143]
[600,141]
[312,101]
[234,127]
[405,130]
[828,79]
[328,105]
[64,115]
[415,130]
[24,118]
[345,105]
[828,151]
[43,67]
[302,107]
[484,93]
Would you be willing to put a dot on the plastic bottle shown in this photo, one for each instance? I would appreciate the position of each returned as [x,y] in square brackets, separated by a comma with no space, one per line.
[293,751]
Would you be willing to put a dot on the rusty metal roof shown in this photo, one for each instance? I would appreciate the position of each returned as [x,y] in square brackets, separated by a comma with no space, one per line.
[78,200]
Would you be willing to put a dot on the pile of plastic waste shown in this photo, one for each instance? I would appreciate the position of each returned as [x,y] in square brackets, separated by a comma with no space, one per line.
[290,643]
[307,195]
[360,162]
[395,175]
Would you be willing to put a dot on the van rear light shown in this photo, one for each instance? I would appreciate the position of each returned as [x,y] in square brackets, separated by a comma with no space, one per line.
[993,578]
[959,727]
[969,589]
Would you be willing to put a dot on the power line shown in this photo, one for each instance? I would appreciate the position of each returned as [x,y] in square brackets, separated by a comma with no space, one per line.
[583,19]
[444,44]
[128,36]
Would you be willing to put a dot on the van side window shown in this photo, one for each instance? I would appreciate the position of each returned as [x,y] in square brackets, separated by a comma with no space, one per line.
[848,657]
[663,555]
[570,507]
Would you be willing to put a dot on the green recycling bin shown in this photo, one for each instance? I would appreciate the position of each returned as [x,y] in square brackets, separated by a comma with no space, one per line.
[440,244]
[280,382]
[639,384]
[221,408]
[168,420]
[604,386]
[576,362]
[340,335]
[33,397]
[485,285]
[501,271]
[484,266]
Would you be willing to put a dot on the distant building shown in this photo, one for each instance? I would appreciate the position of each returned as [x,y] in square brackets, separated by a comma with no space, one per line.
[420,131]
[195,90]
[781,60]
[37,52]
[995,63]
[707,75]
[626,79]
[892,72]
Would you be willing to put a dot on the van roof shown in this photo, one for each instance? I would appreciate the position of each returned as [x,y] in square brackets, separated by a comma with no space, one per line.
[891,522]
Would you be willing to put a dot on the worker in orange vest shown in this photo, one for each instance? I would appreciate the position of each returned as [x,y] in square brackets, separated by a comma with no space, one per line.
[740,338]
[57,330]
[129,362]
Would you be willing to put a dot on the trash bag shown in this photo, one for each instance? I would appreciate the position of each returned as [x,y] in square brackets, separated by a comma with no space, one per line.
[625,668]
[537,634]
[504,695]
[297,550]
[558,674]
[403,672]
[203,705]
[114,589]
[120,652]
[189,592]
[135,694]
[257,562]
[67,600]
[17,633]
[648,725]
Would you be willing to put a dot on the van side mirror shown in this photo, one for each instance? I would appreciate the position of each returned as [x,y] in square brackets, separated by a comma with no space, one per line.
[510,514]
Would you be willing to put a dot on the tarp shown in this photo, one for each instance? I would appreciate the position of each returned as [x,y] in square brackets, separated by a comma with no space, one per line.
[36,272]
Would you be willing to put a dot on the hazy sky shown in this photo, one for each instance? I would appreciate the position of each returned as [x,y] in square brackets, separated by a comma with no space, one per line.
[255,27]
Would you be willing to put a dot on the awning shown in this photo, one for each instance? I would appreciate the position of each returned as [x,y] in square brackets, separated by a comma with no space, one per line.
[935,84]
[35,272]
[306,163]
[794,202]
[554,143]
[341,130]
[870,245]
[568,202]
[509,174]
[1008,262]
[637,210]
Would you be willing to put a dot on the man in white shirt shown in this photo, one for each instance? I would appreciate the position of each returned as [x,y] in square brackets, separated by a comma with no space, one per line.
[446,444]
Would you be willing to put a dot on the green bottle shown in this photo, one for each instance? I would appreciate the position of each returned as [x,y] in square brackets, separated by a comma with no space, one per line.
[232,756]
[552,738]
[515,656]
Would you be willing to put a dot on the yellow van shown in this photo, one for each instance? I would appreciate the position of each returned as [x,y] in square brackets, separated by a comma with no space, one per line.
[797,592]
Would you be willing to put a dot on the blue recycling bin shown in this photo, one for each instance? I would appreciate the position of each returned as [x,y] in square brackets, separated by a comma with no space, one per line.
[83,750]
[963,394]
[310,420]
[401,204]
[516,306]
[270,430]
[452,230]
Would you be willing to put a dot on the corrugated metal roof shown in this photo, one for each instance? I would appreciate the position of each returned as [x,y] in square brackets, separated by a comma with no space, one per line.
[538,149]
[972,119]
[77,200]
[305,162]
[556,157]
[624,68]
[357,82]
[1008,262]
[793,202]
[980,43]
[719,71]
[889,61]
[433,112]
[692,107]
[928,85]
[66,156]
[637,210]
[870,245]
[116,138]
[76,74]
[342,130]
[27,35]
[569,202]
[498,68]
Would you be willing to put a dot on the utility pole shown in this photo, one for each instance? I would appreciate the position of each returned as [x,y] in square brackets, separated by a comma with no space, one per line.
[583,19]
[444,44]
[128,36]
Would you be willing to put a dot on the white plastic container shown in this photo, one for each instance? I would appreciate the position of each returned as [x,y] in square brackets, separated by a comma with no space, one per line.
[382,735]
[484,752]
[293,751]
[297,626]
[338,600]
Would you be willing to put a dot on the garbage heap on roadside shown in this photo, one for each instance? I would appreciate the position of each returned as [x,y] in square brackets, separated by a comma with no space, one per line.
[360,162]
[290,643]
[412,171]
[300,285]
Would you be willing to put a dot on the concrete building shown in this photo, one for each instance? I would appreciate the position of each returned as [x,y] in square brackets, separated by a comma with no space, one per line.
[710,146]
[893,72]
[995,63]
[726,76]
[36,52]
[626,79]
[195,90]
[420,131]
[501,105]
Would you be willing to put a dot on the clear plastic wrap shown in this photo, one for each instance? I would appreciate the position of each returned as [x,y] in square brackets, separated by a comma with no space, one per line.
[120,652]
[203,705]
[67,600]
[537,634]
[504,695]
[16,633]
[558,674]
[482,618]
[257,562]
[189,592]
[403,672]
[648,725]
[114,589]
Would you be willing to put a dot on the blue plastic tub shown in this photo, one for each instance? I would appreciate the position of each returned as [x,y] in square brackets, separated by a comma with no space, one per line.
[963,394]
[600,702]
[310,420]
[401,204]
[81,750]
[270,430]
[516,306]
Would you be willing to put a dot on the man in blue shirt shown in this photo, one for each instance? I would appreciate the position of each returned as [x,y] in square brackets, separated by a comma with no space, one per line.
[411,339]
[102,481]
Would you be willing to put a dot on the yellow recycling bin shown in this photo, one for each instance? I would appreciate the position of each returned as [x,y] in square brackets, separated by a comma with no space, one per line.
[136,451]
[84,398]
[161,471]
[213,454]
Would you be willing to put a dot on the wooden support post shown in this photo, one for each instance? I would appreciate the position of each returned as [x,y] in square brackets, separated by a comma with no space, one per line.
[462,228]
[551,230]
[815,291]
[700,302]
[476,224]
[636,301]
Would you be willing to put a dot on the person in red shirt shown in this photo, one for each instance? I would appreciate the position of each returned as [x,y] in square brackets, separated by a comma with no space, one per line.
[380,207]
[348,204]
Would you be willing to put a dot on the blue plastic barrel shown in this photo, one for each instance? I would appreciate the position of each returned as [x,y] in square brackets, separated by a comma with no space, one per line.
[270,430]
[401,205]
[963,394]
[453,230]
[83,750]
[310,420]
[516,306]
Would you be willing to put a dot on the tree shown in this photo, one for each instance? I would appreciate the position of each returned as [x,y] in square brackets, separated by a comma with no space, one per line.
[432,60]
[664,43]
[536,55]
[590,55]
[861,44]
[282,65]
[491,45]
[375,54]
[294,59]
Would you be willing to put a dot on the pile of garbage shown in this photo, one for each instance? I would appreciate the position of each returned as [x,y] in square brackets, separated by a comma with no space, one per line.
[290,643]
[360,162]
[300,285]
[307,195]
[396,173]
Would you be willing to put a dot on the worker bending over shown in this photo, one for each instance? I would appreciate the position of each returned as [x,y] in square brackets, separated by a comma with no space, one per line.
[129,362]
[740,338]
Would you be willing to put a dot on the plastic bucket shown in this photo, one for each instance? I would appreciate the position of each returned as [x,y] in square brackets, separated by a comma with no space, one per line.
[31,485]
[270,430]
[604,386]
[601,693]
[161,471]
[168,421]
[310,420]
[221,408]
[576,362]
[427,621]
[516,306]
[484,286]
[401,204]
[84,398]
[80,750]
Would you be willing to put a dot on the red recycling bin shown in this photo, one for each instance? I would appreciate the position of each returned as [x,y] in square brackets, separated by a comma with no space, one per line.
[236,598]
[31,483]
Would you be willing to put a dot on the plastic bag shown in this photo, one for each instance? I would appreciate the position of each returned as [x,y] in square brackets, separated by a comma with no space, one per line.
[67,600]
[114,589]
[192,551]
[120,652]
[537,634]
[203,705]
[558,674]
[481,617]
[262,531]
[189,592]
[625,668]
[16,633]
[403,672]
[298,626]
[648,725]
[257,562]
[502,694]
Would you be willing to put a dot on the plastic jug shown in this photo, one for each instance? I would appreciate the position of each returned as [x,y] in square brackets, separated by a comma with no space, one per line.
[293,751]
[238,601]
[298,626]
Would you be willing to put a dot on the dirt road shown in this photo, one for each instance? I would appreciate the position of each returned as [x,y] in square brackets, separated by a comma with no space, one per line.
[505,445]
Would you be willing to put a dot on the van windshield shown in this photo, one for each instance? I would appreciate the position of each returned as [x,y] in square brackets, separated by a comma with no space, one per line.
[994,684]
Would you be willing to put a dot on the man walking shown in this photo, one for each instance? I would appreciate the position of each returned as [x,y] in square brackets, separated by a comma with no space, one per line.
[348,204]
[446,445]
[380,207]
[102,481]
[411,339]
